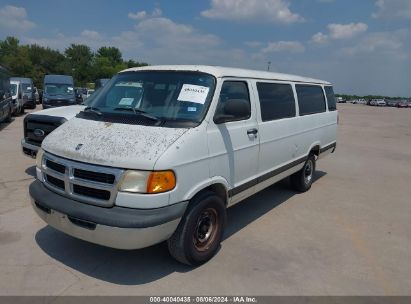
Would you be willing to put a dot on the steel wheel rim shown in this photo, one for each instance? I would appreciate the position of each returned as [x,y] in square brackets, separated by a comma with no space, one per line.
[308,171]
[206,229]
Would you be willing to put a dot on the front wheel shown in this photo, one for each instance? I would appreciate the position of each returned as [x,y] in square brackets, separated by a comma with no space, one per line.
[303,179]
[199,234]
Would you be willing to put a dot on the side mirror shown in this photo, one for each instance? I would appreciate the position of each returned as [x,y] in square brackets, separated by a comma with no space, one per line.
[233,110]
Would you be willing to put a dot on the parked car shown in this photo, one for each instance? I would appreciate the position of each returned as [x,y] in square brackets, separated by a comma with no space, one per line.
[392,103]
[58,91]
[16,89]
[402,104]
[6,108]
[87,94]
[79,94]
[38,125]
[359,101]
[378,102]
[341,100]
[101,83]
[36,95]
[28,91]
[163,151]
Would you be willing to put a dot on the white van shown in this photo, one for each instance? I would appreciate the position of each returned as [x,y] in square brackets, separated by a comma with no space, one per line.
[17,96]
[162,157]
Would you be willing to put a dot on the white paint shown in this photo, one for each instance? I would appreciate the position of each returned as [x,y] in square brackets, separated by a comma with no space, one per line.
[67,112]
[108,144]
[220,72]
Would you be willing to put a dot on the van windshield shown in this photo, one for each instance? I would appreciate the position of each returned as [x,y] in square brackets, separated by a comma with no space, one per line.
[58,89]
[167,96]
[26,87]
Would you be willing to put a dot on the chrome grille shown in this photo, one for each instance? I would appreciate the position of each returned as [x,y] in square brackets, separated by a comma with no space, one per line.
[90,184]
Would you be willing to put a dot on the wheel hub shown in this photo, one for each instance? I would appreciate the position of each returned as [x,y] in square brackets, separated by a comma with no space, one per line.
[206,229]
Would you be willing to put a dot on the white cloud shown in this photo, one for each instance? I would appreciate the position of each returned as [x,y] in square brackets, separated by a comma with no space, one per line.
[143,14]
[393,9]
[14,19]
[382,43]
[253,44]
[157,40]
[346,31]
[320,38]
[89,34]
[284,46]
[340,31]
[252,10]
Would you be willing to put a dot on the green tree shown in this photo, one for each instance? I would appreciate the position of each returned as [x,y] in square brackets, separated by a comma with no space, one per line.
[133,64]
[80,59]
[15,57]
[113,54]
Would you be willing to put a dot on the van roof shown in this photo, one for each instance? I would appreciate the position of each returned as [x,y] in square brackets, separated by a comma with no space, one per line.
[219,72]
[66,79]
[21,79]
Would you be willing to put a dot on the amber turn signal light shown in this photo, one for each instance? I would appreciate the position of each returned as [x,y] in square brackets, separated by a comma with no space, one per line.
[161,181]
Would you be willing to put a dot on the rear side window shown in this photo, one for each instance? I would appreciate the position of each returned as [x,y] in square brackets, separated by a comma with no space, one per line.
[332,106]
[276,101]
[310,99]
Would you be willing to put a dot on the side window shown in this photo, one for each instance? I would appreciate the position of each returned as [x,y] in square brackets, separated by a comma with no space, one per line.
[310,99]
[234,95]
[332,106]
[276,101]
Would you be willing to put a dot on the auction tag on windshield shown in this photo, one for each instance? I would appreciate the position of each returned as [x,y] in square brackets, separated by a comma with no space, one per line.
[193,93]
[126,101]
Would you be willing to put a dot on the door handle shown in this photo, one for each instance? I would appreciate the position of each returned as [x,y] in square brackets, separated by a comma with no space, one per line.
[252,132]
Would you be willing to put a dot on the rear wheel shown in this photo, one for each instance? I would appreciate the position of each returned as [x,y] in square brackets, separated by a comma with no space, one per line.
[199,234]
[8,118]
[303,179]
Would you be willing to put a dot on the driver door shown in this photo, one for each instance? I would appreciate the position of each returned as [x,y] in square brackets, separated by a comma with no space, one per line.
[234,145]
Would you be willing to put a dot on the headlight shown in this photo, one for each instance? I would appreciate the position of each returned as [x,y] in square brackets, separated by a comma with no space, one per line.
[147,182]
[45,99]
[72,100]
[39,158]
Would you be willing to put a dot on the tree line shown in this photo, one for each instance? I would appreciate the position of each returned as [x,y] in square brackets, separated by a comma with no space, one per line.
[79,60]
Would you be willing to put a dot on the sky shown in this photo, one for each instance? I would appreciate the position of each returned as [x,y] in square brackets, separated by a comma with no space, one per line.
[361,46]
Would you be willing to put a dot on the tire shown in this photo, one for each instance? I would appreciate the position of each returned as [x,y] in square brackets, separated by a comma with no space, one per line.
[8,118]
[302,180]
[199,234]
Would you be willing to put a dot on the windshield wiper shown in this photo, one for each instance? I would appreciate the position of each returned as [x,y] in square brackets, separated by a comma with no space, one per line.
[93,110]
[138,112]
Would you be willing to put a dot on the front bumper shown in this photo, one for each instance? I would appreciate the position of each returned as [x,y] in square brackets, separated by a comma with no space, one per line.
[29,149]
[116,227]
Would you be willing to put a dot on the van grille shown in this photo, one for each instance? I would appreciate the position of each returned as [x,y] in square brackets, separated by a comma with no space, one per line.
[46,124]
[91,192]
[55,166]
[94,176]
[91,184]
[55,181]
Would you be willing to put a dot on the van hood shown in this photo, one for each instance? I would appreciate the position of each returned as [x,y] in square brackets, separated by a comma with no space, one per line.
[111,144]
[67,112]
